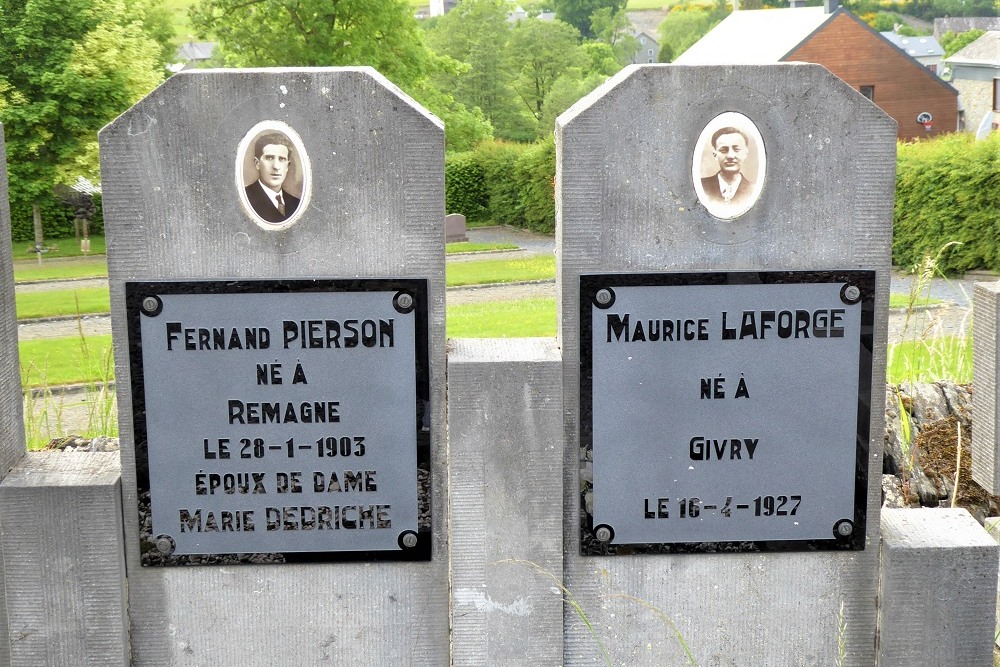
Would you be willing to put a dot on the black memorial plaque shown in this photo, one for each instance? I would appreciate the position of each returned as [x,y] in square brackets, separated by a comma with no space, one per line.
[281,421]
[725,411]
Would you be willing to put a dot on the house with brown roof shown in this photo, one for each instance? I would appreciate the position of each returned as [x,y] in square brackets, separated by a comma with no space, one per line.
[845,45]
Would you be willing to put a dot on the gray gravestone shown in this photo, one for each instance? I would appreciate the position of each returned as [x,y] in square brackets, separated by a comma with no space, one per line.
[362,200]
[11,414]
[454,228]
[820,171]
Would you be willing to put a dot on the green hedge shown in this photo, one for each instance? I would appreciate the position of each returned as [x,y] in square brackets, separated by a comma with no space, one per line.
[57,220]
[948,189]
[504,183]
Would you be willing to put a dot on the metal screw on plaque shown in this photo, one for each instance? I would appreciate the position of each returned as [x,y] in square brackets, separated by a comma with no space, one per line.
[603,297]
[851,294]
[603,534]
[409,539]
[150,304]
[405,300]
[165,545]
[844,528]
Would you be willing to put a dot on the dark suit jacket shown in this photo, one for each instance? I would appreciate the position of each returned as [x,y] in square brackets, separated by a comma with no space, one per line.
[262,205]
[712,190]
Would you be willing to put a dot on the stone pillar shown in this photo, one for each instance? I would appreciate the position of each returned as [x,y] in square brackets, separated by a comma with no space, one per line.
[372,208]
[985,405]
[504,428]
[11,401]
[630,198]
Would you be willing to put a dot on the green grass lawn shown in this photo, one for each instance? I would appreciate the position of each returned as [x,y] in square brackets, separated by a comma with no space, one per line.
[54,303]
[182,26]
[466,246]
[68,247]
[59,361]
[86,268]
[539,267]
[903,301]
[503,319]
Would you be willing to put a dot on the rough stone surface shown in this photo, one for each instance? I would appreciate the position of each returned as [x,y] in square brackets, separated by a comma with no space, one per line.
[985,367]
[11,407]
[506,480]
[64,560]
[172,212]
[625,202]
[947,563]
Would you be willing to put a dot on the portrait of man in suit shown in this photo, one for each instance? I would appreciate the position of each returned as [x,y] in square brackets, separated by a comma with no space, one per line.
[729,185]
[272,159]
[729,165]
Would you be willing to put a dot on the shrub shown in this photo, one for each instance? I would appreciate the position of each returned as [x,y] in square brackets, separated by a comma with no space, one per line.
[57,219]
[946,190]
[504,183]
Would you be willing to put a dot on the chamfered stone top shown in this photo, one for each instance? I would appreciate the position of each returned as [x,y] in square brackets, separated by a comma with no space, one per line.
[177,167]
[633,155]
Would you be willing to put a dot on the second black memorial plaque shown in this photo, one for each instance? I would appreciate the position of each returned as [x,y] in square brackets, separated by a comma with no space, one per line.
[725,411]
[281,421]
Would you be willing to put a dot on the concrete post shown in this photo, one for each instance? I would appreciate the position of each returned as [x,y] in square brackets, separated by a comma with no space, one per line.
[504,427]
[64,560]
[937,591]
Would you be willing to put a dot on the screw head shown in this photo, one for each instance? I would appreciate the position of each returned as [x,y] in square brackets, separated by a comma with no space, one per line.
[603,297]
[165,545]
[410,540]
[150,303]
[405,300]
[603,534]
[852,292]
[845,528]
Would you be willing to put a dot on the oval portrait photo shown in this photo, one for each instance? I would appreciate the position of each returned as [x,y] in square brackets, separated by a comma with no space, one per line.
[729,165]
[272,174]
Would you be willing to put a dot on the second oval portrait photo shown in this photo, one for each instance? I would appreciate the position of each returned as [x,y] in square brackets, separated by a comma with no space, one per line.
[729,165]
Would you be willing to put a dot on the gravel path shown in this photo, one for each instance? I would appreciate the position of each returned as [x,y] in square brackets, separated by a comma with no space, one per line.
[50,285]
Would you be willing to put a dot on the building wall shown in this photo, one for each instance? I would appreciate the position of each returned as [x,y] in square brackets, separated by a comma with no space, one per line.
[977,96]
[903,88]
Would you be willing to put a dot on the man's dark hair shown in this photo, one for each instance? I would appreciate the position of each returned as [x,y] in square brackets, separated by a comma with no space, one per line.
[272,139]
[729,130]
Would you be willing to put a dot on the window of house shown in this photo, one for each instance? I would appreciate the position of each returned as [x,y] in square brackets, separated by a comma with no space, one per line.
[932,68]
[869,92]
[649,54]
[642,40]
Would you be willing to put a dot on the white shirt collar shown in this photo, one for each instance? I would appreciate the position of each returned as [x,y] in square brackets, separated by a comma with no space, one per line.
[729,190]
[270,193]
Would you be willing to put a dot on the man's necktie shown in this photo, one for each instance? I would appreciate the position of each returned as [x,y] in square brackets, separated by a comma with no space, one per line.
[281,204]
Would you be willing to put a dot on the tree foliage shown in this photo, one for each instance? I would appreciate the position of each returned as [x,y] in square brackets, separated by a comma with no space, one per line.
[952,42]
[312,33]
[686,24]
[67,67]
[543,50]
[579,13]
[476,35]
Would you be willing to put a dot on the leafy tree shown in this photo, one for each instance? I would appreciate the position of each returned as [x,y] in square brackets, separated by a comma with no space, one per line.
[477,35]
[614,29]
[262,33]
[543,49]
[686,24]
[952,42]
[565,92]
[67,67]
[666,54]
[600,59]
[578,13]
